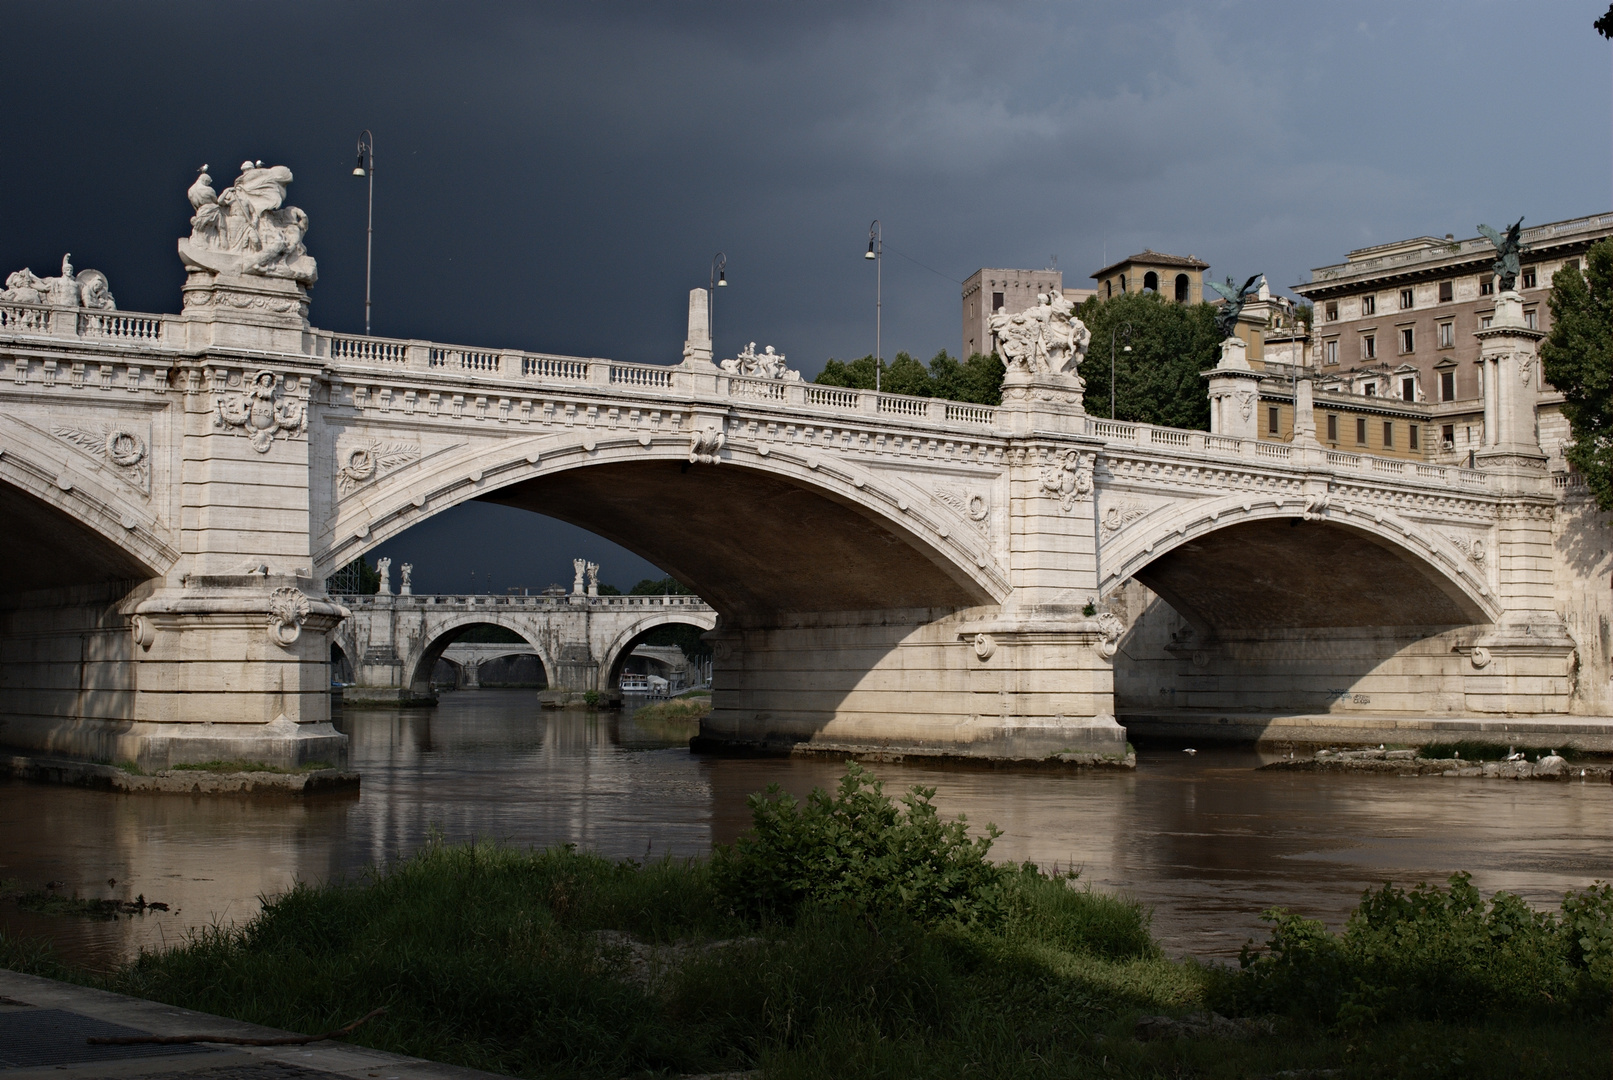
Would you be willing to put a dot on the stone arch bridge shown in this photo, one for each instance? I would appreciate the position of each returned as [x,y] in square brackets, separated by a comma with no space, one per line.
[392,642]
[915,575]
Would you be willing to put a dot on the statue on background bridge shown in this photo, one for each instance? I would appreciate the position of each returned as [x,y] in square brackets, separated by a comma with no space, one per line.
[1226,318]
[383,567]
[580,567]
[87,288]
[406,586]
[593,579]
[247,230]
[766,365]
[1046,340]
[1507,249]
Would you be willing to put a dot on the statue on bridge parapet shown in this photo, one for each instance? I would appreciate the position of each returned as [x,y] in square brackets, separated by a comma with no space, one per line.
[1508,246]
[766,365]
[1043,340]
[1226,317]
[247,229]
[87,288]
[579,567]
[406,586]
[593,579]
[383,567]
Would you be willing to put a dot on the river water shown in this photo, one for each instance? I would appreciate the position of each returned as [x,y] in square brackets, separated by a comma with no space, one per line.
[1203,839]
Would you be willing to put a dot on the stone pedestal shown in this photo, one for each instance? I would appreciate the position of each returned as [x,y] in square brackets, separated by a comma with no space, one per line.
[1234,393]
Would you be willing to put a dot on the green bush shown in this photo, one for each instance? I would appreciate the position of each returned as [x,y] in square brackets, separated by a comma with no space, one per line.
[858,849]
[1439,954]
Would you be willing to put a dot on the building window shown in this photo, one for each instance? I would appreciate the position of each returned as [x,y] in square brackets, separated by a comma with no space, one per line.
[1484,322]
[1332,428]
[1108,289]
[1529,278]
[996,301]
[1331,311]
[1122,282]
[1447,386]
[1369,346]
[1408,389]
[1273,421]
[1182,286]
[1330,351]
[1407,300]
[1388,434]
[1369,305]
[1150,282]
[1370,389]
[1487,286]
[1360,431]
[1408,339]
[1447,335]
[1411,437]
[1447,435]
[1447,291]
[1531,319]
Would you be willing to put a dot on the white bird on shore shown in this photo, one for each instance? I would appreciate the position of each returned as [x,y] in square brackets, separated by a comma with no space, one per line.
[1189,751]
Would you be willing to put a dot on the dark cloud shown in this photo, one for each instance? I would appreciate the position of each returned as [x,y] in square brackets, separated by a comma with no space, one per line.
[558,176]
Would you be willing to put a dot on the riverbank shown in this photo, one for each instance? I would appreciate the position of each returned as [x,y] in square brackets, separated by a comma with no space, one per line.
[1365,728]
[1506,764]
[847,937]
[206,778]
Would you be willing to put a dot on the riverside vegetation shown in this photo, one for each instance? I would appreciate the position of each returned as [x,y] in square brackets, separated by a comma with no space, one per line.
[856,936]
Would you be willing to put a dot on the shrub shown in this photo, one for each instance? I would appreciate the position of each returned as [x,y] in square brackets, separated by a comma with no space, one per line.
[858,849]
[1435,954]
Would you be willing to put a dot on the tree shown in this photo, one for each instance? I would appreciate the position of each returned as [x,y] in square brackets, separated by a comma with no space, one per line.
[1577,359]
[978,380]
[1158,382]
[667,586]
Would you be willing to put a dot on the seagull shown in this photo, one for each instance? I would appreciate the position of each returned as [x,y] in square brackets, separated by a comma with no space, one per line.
[1189,751]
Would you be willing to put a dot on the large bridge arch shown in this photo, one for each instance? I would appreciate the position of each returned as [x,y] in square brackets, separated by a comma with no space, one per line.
[763,530]
[1243,562]
[65,527]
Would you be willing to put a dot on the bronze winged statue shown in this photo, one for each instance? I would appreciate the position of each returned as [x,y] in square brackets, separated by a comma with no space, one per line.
[1507,249]
[1226,319]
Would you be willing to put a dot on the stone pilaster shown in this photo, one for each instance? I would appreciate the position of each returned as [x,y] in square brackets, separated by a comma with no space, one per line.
[1234,393]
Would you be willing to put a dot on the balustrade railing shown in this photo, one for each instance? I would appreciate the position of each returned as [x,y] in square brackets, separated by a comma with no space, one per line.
[369,350]
[640,375]
[27,318]
[1275,450]
[894,405]
[971,414]
[558,368]
[759,389]
[832,397]
[129,327]
[1224,443]
[1108,429]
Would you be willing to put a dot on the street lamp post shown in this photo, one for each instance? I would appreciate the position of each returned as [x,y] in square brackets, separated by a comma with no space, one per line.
[718,280]
[876,251]
[1112,331]
[366,168]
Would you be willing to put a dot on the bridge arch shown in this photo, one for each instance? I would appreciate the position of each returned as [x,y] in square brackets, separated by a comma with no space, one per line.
[422,656]
[610,664]
[64,526]
[1245,562]
[740,531]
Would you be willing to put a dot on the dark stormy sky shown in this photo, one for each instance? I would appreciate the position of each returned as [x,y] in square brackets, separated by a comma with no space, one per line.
[557,176]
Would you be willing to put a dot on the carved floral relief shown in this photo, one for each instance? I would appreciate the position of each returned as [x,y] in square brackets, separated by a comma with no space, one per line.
[364,463]
[125,449]
[288,610]
[972,506]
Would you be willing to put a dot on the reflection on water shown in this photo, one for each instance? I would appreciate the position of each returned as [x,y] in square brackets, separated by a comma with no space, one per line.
[1205,840]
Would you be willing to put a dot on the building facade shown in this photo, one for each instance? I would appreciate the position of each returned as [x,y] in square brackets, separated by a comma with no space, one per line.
[988,291]
[1399,323]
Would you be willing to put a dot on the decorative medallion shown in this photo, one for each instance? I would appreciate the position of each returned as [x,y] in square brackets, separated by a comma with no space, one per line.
[120,446]
[260,411]
[1068,478]
[365,463]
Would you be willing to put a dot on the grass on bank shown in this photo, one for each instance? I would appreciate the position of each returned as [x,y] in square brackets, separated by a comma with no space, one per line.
[853,936]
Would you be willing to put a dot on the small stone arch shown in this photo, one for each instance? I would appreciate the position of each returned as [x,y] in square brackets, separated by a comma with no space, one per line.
[428,651]
[618,650]
[1183,286]
[1150,282]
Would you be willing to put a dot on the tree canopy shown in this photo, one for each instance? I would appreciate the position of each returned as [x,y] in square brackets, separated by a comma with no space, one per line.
[1577,358]
[1158,382]
[978,379]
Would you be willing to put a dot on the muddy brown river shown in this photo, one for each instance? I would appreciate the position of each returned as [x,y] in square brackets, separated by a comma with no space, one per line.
[1203,839]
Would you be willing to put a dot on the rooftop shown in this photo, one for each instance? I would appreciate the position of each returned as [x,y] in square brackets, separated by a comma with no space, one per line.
[1150,257]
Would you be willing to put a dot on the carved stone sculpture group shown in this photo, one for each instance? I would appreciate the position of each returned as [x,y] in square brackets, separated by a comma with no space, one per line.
[1043,340]
[247,229]
[766,365]
[87,288]
[261,412]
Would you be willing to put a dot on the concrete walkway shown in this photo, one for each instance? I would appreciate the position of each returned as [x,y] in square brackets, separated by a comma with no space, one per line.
[44,1024]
